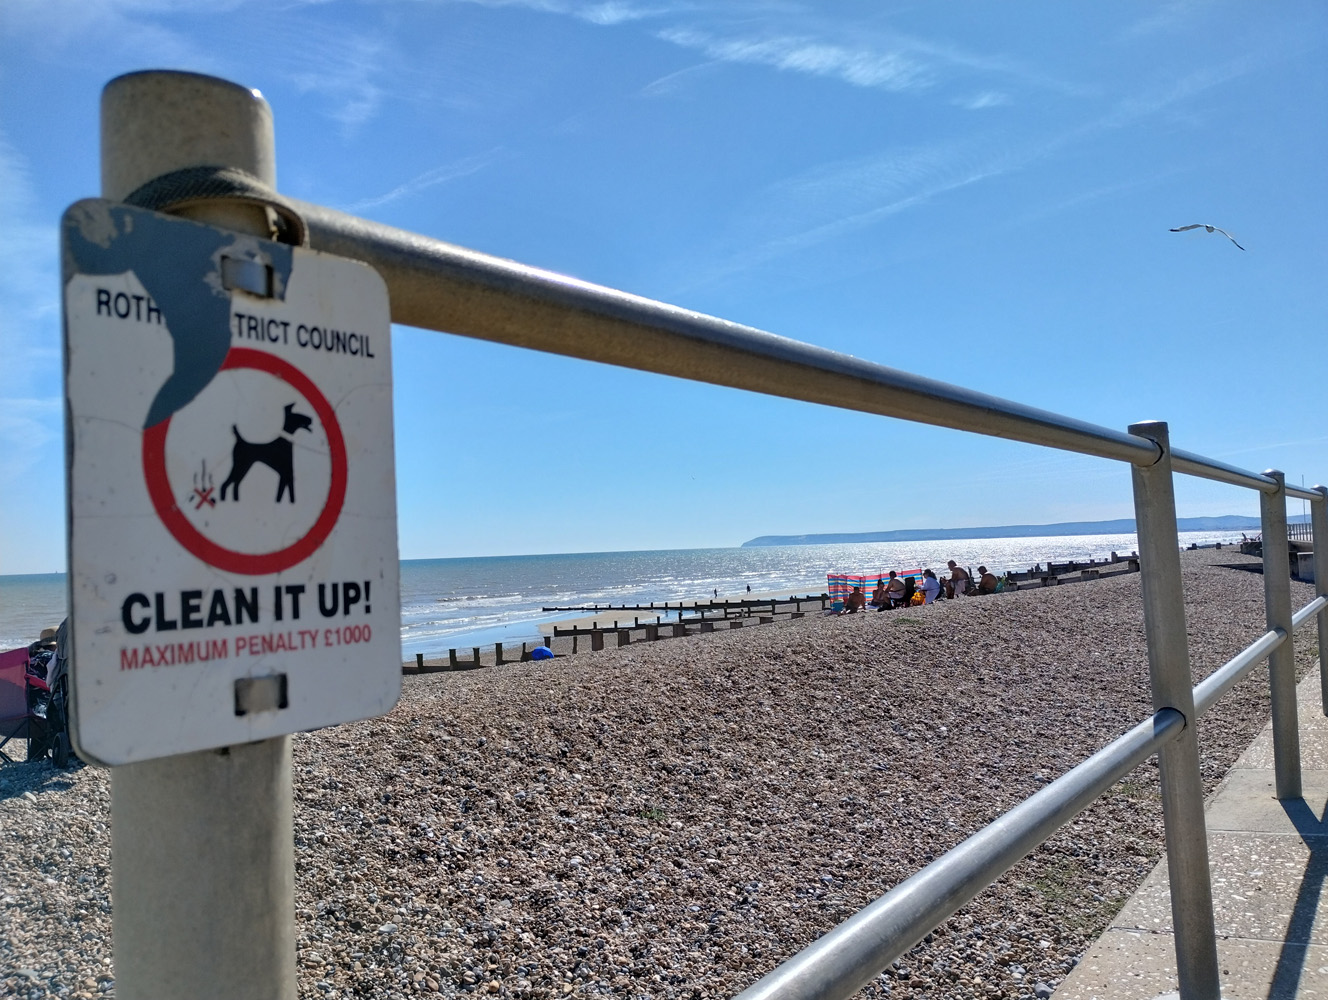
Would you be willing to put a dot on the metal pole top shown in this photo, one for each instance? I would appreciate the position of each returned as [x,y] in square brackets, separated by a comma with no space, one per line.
[157,121]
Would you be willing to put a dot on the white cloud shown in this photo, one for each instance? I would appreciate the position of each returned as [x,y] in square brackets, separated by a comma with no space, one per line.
[860,67]
[986,99]
[343,69]
[1164,17]
[840,198]
[128,28]
[29,327]
[439,175]
[605,12]
[616,13]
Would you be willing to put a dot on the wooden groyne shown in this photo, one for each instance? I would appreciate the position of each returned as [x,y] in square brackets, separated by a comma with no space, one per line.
[698,617]
[727,607]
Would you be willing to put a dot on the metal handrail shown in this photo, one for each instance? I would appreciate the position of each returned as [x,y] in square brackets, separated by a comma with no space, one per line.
[440,286]
[1210,690]
[850,956]
[841,962]
[1309,611]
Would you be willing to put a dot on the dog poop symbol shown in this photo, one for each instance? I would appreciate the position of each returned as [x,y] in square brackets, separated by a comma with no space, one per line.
[275,454]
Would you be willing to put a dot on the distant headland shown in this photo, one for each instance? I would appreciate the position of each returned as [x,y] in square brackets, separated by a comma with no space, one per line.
[1120,526]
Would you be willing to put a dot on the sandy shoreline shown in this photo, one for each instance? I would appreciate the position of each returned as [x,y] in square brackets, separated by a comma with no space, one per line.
[674,818]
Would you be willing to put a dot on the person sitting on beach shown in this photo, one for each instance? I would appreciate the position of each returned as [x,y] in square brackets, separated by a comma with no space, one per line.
[930,586]
[894,590]
[879,600]
[958,579]
[855,601]
[986,581]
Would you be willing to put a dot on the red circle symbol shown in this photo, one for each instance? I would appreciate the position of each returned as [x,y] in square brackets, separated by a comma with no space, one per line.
[184,532]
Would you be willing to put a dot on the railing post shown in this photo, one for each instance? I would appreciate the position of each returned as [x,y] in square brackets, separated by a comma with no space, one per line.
[202,844]
[1169,672]
[1319,520]
[1282,660]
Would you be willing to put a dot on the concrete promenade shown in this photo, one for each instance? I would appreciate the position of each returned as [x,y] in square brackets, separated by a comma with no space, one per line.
[1269,860]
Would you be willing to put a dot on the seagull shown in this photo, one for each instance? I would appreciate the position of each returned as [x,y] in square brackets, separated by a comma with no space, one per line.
[1211,229]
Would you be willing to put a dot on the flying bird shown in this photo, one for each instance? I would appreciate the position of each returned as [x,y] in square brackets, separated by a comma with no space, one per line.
[1211,229]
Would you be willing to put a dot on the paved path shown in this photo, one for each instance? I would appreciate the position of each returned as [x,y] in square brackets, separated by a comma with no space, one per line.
[1269,860]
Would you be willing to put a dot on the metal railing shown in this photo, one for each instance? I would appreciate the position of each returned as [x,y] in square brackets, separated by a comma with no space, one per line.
[443,287]
[439,286]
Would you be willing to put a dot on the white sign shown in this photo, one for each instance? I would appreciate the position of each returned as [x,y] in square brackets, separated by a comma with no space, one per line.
[232,508]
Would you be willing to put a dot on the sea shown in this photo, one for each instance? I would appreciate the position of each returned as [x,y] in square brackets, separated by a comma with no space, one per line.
[460,603]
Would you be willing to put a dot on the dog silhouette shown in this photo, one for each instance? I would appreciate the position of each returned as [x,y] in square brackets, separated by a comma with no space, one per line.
[275,454]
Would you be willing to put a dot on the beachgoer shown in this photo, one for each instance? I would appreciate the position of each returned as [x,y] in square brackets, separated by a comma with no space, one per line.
[749,588]
[716,592]
[879,598]
[855,601]
[894,590]
[958,579]
[931,586]
[986,581]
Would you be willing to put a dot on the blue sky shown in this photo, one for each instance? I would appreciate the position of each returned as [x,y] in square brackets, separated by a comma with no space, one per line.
[975,192]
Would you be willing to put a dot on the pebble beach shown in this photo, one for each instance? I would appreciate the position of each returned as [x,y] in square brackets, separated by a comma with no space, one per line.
[673,819]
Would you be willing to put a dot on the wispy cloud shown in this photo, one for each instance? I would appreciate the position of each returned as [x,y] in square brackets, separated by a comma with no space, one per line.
[605,12]
[673,82]
[1163,17]
[344,69]
[1270,446]
[832,201]
[430,178]
[129,28]
[837,199]
[979,102]
[617,13]
[861,67]
[29,326]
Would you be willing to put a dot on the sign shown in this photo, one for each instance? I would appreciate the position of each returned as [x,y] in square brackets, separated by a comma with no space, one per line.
[232,507]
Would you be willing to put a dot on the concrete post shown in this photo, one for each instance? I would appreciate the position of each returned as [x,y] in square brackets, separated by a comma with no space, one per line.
[202,846]
[1282,660]
[1169,673]
[1319,522]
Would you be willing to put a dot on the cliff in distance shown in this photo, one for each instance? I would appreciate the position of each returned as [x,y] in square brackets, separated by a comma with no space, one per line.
[1120,526]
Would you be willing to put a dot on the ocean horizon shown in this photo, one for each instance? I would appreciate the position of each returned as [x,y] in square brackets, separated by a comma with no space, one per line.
[478,600]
